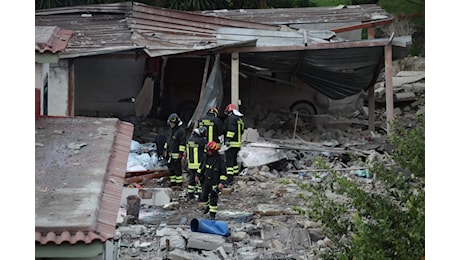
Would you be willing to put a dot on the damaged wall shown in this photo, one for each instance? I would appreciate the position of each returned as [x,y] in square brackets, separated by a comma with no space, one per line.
[58,90]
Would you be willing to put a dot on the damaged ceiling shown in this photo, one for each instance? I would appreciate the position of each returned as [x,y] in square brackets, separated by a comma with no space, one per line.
[335,67]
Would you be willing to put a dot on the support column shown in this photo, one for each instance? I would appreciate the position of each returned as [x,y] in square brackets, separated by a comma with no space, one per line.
[389,83]
[235,79]
[58,89]
[371,91]
[371,108]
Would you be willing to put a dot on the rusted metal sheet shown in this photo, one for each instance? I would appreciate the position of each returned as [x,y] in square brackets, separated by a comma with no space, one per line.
[106,28]
[96,29]
[80,164]
[51,39]
[142,178]
[255,34]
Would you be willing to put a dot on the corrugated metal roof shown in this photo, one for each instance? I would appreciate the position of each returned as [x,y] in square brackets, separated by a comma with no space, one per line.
[302,17]
[105,28]
[96,29]
[80,165]
[51,38]
[159,32]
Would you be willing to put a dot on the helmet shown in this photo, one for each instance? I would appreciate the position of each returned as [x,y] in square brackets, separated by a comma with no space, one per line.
[229,108]
[173,118]
[213,110]
[212,146]
[201,131]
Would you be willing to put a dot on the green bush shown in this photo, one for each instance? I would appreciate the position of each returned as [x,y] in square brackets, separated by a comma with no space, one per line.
[382,219]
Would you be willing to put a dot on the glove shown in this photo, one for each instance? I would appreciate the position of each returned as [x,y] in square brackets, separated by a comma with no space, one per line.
[220,186]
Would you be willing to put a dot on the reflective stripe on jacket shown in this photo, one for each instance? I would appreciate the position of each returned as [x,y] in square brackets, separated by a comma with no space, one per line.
[234,129]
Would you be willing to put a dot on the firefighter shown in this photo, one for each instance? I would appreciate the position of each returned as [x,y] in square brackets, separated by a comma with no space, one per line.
[174,149]
[213,124]
[212,176]
[234,128]
[195,152]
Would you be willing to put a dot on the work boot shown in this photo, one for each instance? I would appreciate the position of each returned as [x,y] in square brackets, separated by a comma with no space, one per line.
[212,215]
[206,210]
[190,196]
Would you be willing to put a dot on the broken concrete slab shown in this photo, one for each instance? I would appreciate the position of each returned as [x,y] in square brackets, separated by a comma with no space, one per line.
[273,210]
[178,254]
[149,196]
[258,154]
[404,96]
[405,78]
[205,241]
[250,135]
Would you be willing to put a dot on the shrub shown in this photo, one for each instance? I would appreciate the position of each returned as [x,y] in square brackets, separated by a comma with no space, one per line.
[383,219]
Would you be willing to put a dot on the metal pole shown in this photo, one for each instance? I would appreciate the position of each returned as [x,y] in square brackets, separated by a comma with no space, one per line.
[295,124]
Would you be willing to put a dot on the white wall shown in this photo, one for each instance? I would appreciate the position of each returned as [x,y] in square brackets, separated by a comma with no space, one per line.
[58,89]
[57,77]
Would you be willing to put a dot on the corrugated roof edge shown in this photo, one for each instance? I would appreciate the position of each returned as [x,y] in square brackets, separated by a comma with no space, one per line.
[110,197]
[55,42]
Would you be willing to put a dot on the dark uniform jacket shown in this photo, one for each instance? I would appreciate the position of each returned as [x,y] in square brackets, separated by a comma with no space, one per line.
[195,151]
[213,168]
[234,128]
[175,144]
[214,126]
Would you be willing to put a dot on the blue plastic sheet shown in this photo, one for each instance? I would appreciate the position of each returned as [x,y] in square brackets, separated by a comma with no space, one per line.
[209,226]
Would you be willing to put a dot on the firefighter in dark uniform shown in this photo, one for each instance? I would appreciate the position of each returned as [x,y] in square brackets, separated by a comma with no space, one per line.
[212,176]
[234,128]
[213,124]
[195,150]
[174,149]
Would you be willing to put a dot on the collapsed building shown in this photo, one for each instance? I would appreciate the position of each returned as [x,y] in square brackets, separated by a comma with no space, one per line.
[130,59]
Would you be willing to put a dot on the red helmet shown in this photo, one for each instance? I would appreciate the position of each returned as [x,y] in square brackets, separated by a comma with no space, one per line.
[213,110]
[229,108]
[212,146]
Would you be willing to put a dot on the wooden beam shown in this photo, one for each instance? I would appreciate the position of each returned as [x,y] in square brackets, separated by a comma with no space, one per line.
[371,108]
[370,33]
[203,87]
[362,26]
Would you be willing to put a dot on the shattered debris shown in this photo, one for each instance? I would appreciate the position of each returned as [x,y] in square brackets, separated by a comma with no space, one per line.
[262,209]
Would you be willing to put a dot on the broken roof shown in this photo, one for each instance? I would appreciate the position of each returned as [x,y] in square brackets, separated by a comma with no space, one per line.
[333,66]
[304,18]
[80,165]
[51,38]
[107,28]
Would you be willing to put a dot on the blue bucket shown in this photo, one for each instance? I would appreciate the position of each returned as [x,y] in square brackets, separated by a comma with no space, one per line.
[209,226]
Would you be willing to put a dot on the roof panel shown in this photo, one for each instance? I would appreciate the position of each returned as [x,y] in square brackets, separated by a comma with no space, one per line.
[51,38]
[78,180]
[294,17]
[104,28]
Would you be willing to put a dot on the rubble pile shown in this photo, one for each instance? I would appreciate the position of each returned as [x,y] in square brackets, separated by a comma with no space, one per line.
[263,210]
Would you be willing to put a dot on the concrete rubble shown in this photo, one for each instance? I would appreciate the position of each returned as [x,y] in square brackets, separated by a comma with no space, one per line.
[261,209]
